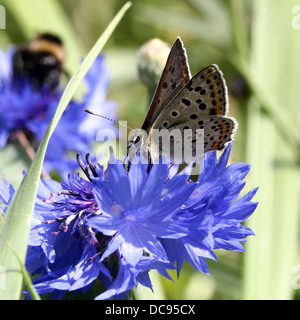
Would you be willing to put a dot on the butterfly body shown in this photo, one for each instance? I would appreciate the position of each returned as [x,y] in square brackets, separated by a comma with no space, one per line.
[198,105]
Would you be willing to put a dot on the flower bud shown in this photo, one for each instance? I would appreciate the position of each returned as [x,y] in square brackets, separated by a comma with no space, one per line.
[151,61]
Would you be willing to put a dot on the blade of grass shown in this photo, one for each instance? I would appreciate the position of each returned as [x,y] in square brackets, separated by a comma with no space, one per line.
[189,24]
[15,226]
[26,276]
[238,17]
[285,122]
[272,254]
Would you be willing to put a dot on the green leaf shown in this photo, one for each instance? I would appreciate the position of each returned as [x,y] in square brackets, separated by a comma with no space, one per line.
[15,227]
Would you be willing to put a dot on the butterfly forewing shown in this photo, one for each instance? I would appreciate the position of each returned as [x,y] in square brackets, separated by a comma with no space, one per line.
[175,76]
[204,95]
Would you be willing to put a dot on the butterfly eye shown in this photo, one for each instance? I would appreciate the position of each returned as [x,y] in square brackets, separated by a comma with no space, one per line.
[136,140]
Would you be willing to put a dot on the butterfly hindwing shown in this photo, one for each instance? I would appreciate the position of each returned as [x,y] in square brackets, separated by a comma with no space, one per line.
[214,132]
[175,76]
[218,131]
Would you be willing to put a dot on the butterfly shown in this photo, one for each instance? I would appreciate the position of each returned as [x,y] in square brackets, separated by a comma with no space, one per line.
[184,103]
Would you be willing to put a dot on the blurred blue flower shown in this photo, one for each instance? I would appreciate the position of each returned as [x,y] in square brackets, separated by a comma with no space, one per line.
[7,192]
[30,109]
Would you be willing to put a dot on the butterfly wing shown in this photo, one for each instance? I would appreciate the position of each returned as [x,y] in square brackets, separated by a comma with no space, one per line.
[201,104]
[215,130]
[205,95]
[174,77]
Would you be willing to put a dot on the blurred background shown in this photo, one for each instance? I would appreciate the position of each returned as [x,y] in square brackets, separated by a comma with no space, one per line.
[257,46]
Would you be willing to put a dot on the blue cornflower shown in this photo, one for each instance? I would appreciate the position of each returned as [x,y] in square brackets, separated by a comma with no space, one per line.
[29,109]
[213,215]
[116,225]
[129,276]
[138,207]
[135,210]
[68,253]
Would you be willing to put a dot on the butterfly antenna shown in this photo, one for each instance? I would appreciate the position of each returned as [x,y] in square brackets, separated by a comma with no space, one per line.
[106,118]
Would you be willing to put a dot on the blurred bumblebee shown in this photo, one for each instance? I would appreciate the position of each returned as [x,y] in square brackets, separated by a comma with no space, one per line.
[41,61]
